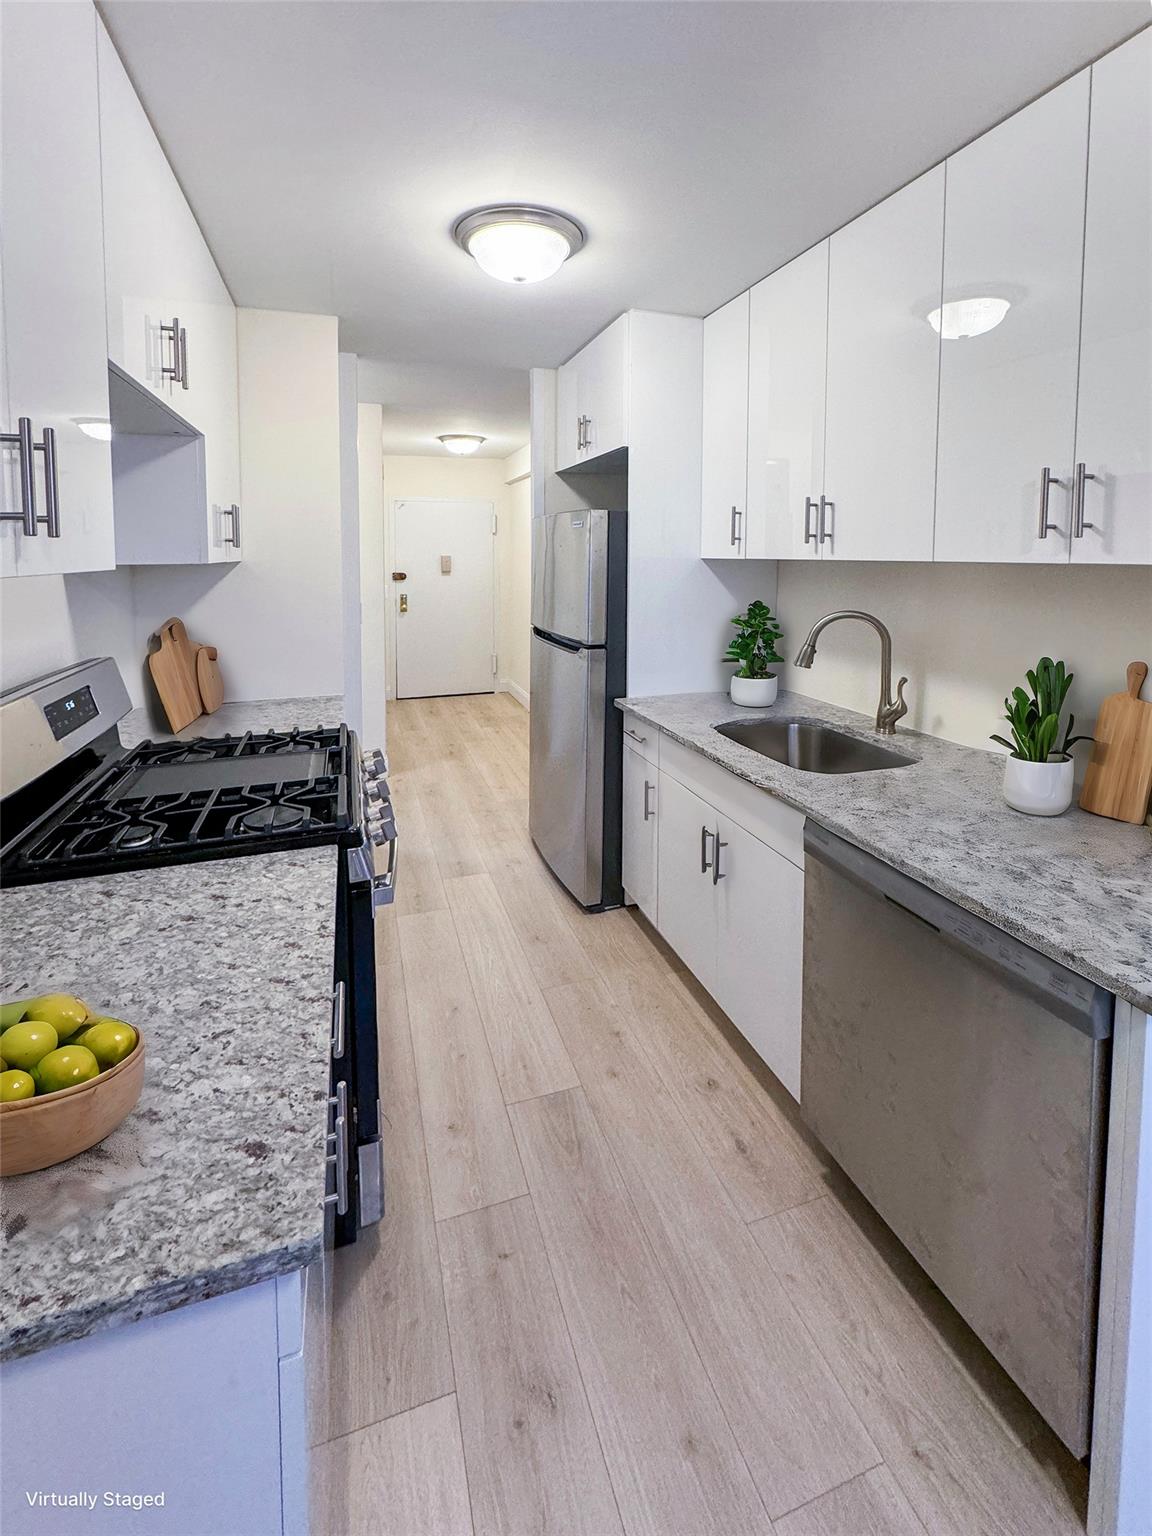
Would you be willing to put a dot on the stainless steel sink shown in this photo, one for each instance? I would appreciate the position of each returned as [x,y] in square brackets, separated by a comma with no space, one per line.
[812,747]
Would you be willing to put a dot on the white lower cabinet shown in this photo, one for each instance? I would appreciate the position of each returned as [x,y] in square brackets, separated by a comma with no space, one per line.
[686,903]
[730,902]
[760,946]
[639,852]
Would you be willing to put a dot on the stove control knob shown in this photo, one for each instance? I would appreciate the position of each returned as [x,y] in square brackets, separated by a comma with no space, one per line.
[375,763]
[374,791]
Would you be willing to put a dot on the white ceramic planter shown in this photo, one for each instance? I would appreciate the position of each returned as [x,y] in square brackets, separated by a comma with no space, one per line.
[754,692]
[1039,789]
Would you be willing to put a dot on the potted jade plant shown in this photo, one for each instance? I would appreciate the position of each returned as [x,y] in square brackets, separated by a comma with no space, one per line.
[1038,773]
[754,650]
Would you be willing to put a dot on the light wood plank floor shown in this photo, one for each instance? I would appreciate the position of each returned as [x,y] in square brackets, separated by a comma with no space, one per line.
[619,1288]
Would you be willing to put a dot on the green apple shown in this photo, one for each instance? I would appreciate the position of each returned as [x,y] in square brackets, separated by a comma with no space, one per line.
[65,1013]
[23,1045]
[16,1085]
[12,1013]
[109,1040]
[66,1067]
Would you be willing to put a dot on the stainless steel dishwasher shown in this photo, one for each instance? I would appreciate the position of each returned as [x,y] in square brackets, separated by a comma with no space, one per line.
[959,1078]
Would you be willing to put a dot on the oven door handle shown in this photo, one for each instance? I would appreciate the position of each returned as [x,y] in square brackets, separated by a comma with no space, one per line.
[339,1020]
[384,886]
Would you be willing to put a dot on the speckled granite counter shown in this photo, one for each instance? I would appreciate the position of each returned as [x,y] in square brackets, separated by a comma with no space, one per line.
[233,719]
[216,1179]
[1076,887]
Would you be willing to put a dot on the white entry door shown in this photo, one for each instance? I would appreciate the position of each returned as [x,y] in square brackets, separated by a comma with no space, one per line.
[445,633]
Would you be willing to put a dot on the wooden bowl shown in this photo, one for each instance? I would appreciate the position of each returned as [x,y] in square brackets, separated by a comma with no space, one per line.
[37,1133]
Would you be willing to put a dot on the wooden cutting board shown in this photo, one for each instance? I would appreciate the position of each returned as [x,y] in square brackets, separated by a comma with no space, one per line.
[1119,778]
[208,678]
[173,668]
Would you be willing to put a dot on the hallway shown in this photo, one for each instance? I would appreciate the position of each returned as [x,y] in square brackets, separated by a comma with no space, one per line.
[617,1288]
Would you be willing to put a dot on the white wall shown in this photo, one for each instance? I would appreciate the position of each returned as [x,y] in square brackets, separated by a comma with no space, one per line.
[966,634]
[373,577]
[48,622]
[514,578]
[276,616]
[410,476]
[350,545]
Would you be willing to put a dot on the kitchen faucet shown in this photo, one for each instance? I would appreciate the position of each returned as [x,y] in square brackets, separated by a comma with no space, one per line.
[890,709]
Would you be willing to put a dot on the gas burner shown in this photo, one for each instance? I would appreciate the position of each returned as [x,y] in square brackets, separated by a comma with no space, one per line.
[273,818]
[136,835]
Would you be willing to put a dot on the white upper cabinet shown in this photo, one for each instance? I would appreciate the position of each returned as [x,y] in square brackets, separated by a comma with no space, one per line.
[1014,231]
[883,376]
[592,399]
[52,258]
[171,320]
[725,459]
[787,373]
[1114,415]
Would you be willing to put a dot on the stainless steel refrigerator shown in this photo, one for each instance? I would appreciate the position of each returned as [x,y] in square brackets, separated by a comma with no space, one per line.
[579,621]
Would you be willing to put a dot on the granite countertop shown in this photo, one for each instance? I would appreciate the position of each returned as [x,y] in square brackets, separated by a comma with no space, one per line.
[233,719]
[216,1179]
[1076,887]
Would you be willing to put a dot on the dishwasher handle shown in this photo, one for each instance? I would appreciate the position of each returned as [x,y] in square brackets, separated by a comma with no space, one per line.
[1085,1005]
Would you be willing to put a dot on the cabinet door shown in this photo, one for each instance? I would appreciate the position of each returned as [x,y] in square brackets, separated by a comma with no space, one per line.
[1114,411]
[1014,231]
[639,831]
[787,375]
[53,263]
[686,907]
[883,373]
[568,434]
[759,948]
[725,457]
[603,390]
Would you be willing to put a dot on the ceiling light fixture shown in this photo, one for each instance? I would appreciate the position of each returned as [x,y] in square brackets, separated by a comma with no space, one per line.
[461,442]
[959,319]
[516,243]
[98,427]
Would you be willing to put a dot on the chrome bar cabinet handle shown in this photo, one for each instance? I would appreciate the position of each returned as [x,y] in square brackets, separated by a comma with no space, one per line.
[22,440]
[1078,479]
[705,862]
[648,812]
[51,482]
[717,873]
[736,516]
[810,506]
[233,512]
[826,506]
[628,731]
[339,1020]
[1047,481]
[172,370]
[183,358]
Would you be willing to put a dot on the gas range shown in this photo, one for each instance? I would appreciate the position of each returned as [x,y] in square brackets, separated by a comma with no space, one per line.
[74,803]
[212,797]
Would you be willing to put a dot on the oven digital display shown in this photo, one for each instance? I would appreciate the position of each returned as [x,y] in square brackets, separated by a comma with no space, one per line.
[71,712]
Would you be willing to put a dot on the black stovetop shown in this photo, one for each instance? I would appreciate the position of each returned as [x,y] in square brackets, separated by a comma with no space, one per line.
[214,797]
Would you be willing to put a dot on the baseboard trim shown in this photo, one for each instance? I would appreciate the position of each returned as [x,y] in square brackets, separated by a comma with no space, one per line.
[506,685]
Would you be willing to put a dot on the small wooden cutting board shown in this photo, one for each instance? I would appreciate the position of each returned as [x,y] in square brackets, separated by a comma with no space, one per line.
[1119,778]
[173,669]
[208,678]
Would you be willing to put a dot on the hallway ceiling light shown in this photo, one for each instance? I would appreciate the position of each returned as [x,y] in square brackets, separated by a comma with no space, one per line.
[461,442]
[518,244]
[959,319]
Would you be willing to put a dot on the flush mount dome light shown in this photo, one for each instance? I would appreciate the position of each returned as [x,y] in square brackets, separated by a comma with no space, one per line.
[518,244]
[959,319]
[461,442]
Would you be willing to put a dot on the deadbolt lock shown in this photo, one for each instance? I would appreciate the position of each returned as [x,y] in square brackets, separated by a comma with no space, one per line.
[403,602]
[399,575]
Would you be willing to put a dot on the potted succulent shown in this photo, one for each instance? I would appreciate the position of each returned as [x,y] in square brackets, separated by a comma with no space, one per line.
[1038,774]
[754,682]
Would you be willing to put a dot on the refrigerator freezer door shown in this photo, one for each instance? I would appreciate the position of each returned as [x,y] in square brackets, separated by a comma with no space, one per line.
[570,575]
[566,816]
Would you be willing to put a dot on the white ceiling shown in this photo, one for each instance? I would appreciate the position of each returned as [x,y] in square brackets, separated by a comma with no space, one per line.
[328,147]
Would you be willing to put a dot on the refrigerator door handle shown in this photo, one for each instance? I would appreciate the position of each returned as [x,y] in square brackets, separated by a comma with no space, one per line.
[561,642]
